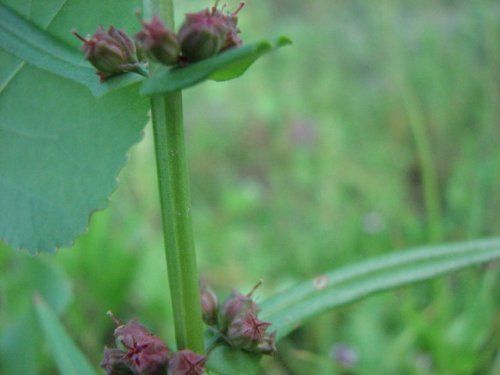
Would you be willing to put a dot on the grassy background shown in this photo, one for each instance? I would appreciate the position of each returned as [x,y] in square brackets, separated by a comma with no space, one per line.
[377,130]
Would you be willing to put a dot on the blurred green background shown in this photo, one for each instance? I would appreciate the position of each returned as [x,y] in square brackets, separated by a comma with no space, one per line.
[377,130]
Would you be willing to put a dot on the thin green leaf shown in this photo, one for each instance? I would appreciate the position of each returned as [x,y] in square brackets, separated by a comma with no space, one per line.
[223,67]
[291,308]
[229,361]
[20,342]
[69,359]
[28,42]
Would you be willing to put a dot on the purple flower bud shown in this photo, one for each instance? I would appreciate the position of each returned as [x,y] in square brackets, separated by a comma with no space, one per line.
[232,39]
[247,332]
[139,351]
[209,304]
[186,362]
[115,362]
[111,52]
[236,306]
[130,333]
[158,42]
[206,33]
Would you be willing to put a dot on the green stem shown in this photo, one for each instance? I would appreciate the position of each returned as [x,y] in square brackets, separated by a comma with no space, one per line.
[173,182]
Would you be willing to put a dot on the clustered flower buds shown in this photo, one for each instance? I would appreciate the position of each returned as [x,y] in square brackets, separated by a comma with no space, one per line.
[138,352]
[237,321]
[202,35]
[111,52]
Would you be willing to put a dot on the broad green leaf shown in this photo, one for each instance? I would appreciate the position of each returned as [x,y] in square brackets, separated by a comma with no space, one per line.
[69,359]
[32,44]
[229,361]
[61,148]
[223,67]
[289,309]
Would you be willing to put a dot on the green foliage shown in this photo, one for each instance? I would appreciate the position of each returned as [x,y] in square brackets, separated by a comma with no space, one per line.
[29,43]
[61,148]
[70,360]
[227,361]
[289,309]
[272,201]
[20,341]
[223,67]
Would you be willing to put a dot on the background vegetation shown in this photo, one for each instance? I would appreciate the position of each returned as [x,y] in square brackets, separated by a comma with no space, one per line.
[323,154]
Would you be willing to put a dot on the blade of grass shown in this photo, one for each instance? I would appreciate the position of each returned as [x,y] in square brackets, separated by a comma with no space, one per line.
[289,309]
[69,359]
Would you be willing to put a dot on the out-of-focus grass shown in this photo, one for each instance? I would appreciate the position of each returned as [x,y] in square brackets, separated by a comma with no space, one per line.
[309,162]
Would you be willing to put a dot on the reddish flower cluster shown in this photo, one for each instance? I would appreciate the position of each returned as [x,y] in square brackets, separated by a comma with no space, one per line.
[209,32]
[138,352]
[202,35]
[236,321]
[111,52]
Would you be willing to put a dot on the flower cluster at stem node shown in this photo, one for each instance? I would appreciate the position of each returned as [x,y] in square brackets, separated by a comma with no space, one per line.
[202,35]
[138,352]
[236,321]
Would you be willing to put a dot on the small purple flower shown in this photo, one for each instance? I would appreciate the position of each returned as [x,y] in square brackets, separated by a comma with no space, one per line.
[138,351]
[115,362]
[345,355]
[204,34]
[186,362]
[158,42]
[237,306]
[248,333]
[111,52]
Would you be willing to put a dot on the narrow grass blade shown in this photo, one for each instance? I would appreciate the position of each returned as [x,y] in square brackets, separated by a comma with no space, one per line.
[69,359]
[223,67]
[291,308]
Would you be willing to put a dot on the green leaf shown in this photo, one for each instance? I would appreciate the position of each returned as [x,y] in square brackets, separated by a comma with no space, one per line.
[20,342]
[61,148]
[69,359]
[229,361]
[32,44]
[287,310]
[223,67]
[19,346]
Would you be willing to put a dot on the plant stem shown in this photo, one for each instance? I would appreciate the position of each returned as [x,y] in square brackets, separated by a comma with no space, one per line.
[174,189]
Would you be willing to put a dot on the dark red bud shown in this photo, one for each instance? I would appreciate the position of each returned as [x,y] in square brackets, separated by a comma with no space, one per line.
[206,33]
[125,42]
[232,39]
[237,306]
[130,333]
[186,362]
[111,52]
[209,305]
[247,332]
[158,42]
[115,362]
[143,352]
[201,35]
